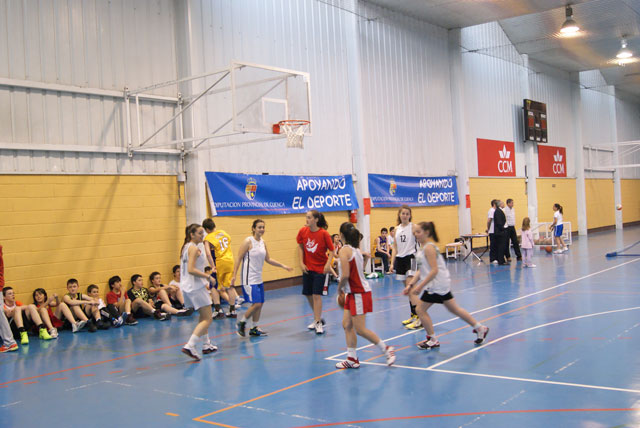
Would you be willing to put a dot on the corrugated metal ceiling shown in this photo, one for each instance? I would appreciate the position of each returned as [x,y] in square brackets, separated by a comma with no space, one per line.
[532,26]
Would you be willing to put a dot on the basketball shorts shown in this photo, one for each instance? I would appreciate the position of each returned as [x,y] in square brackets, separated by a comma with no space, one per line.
[224,272]
[435,298]
[358,303]
[312,283]
[253,293]
[558,230]
[405,266]
[199,298]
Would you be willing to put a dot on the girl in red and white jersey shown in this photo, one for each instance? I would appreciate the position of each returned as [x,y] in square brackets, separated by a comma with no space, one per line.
[358,301]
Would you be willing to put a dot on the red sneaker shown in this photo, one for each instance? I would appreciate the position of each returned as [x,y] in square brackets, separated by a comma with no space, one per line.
[11,348]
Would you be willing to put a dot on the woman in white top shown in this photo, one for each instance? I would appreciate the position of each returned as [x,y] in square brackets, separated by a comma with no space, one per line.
[193,283]
[252,255]
[403,259]
[432,284]
[557,228]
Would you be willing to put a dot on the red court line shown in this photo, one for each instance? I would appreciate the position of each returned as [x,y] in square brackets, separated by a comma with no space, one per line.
[199,418]
[115,371]
[448,415]
[30,383]
[88,375]
[271,355]
[142,368]
[61,378]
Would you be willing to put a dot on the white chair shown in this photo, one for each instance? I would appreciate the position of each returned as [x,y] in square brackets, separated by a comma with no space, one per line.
[453,250]
[377,265]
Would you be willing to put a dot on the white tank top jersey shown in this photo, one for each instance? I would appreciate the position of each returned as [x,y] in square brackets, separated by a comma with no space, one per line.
[190,283]
[441,284]
[252,262]
[357,282]
[405,241]
[558,217]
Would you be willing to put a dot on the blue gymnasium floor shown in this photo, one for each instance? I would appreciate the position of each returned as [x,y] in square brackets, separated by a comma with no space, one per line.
[562,351]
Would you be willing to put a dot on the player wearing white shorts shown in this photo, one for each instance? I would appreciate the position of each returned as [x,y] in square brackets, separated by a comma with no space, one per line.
[358,301]
[403,259]
[432,284]
[252,255]
[193,283]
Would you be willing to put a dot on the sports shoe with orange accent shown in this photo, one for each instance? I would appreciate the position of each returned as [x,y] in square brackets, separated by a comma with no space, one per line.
[11,348]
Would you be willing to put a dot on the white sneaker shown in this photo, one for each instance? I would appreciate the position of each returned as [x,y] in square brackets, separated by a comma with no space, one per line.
[53,332]
[209,348]
[558,251]
[565,249]
[532,266]
[481,333]
[191,352]
[390,354]
[239,301]
[312,326]
[318,327]
[417,324]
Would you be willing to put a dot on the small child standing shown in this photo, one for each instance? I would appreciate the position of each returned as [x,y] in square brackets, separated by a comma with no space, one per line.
[527,244]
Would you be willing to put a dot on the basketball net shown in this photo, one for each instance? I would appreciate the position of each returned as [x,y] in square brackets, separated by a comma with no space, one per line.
[294,130]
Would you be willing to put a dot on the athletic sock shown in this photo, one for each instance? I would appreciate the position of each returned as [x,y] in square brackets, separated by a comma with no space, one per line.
[192,341]
[477,325]
[351,352]
[205,339]
[232,308]
[413,309]
[243,318]
[254,323]
[216,306]
[40,326]
[382,346]
[21,329]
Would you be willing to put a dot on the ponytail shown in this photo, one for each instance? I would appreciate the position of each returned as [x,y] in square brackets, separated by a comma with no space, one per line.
[189,230]
[559,207]
[352,236]
[322,222]
[429,227]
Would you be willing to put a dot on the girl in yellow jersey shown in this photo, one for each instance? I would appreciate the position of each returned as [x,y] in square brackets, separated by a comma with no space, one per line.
[220,242]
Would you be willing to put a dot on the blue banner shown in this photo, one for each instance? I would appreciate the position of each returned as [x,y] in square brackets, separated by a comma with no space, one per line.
[247,194]
[397,190]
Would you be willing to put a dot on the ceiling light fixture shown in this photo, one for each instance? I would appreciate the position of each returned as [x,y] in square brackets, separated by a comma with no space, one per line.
[570,26]
[624,52]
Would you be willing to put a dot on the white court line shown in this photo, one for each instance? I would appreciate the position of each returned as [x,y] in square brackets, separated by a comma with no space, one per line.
[578,385]
[521,379]
[500,339]
[498,305]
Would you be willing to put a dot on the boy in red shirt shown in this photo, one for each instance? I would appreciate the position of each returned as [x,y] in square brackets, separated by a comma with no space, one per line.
[118,303]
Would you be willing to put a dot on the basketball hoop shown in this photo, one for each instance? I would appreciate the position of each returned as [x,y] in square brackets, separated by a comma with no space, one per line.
[293,129]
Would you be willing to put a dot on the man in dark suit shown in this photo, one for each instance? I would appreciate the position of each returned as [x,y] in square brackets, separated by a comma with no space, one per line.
[500,232]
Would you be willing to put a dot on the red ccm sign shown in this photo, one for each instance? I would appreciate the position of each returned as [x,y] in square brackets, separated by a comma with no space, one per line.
[496,158]
[552,161]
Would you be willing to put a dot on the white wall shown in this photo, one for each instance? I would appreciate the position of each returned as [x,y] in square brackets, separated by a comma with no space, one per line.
[407,102]
[89,44]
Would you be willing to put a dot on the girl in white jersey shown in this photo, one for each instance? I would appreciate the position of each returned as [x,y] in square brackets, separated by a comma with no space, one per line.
[557,229]
[403,259]
[252,255]
[358,300]
[432,284]
[193,283]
